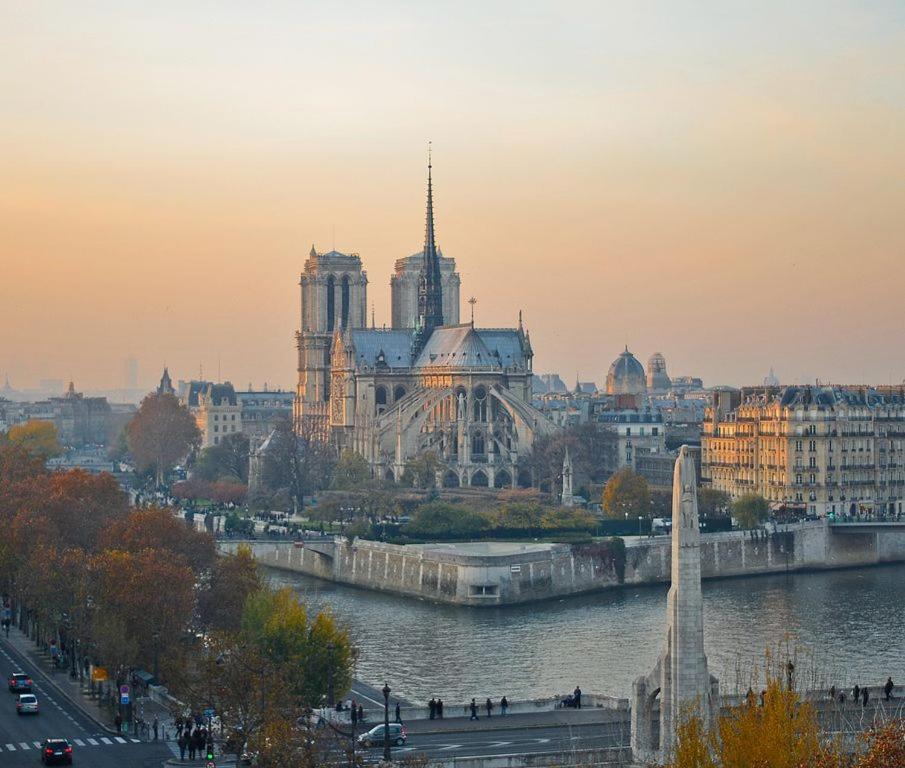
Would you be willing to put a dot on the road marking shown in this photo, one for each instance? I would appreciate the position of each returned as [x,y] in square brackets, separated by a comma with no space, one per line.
[451,746]
[92,742]
[135,741]
[106,740]
[79,742]
[37,744]
[24,745]
[500,744]
[120,739]
[11,747]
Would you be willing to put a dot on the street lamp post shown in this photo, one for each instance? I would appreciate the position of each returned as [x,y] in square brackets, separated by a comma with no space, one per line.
[386,723]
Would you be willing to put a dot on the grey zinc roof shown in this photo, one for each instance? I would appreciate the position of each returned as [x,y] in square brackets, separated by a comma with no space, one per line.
[396,346]
[462,346]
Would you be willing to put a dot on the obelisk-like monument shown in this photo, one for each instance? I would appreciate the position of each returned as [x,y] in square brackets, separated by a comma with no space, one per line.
[680,677]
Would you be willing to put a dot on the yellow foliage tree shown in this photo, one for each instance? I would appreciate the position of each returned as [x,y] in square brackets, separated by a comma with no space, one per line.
[37,438]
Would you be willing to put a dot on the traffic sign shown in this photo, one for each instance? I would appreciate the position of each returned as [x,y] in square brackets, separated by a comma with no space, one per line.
[124,694]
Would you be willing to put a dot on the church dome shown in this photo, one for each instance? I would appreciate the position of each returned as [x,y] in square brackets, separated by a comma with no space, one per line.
[626,376]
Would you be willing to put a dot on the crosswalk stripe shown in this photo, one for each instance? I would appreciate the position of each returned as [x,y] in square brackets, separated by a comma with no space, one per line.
[11,747]
[79,742]
[92,742]
[120,739]
[24,745]
[37,744]
[135,741]
[106,740]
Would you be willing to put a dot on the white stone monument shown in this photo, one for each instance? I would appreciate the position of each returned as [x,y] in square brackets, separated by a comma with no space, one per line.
[680,678]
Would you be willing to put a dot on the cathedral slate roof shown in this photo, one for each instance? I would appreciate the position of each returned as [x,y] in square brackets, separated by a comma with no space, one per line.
[463,346]
[369,343]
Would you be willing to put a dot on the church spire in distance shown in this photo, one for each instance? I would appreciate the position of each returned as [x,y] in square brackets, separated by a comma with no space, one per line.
[430,296]
[430,290]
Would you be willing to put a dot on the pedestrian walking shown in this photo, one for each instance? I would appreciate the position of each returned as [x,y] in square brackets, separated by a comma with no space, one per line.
[118,722]
[178,723]
[504,706]
[833,693]
[856,692]
[156,726]
[432,706]
[398,713]
[361,713]
[354,716]
[887,689]
[489,706]
[577,697]
[864,695]
[182,741]
[842,697]
[474,710]
[440,708]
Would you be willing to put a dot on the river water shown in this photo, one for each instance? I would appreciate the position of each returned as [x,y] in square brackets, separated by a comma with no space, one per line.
[843,627]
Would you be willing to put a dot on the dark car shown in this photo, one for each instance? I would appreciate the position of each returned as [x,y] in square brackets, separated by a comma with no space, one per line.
[19,682]
[56,751]
[374,737]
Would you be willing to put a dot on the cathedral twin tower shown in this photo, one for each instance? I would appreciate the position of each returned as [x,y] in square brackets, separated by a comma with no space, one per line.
[334,291]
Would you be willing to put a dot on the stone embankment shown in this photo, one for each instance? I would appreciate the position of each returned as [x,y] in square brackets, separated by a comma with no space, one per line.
[508,573]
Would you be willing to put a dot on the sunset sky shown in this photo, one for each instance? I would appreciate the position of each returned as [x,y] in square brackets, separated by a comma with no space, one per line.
[721,182]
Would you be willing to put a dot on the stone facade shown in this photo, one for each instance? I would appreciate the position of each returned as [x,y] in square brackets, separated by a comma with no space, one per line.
[824,450]
[404,291]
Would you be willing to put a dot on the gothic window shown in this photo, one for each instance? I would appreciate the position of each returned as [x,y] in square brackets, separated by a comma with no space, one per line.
[331,302]
[477,444]
[380,398]
[480,404]
[398,393]
[345,300]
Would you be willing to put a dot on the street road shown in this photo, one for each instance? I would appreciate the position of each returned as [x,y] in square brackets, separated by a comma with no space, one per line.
[505,741]
[21,736]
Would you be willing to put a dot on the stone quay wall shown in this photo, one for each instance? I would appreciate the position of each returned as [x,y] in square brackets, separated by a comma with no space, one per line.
[535,573]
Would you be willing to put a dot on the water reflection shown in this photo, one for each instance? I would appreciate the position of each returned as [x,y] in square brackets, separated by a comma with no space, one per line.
[850,626]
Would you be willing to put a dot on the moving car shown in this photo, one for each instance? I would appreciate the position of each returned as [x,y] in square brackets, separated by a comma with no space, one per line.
[56,751]
[27,704]
[19,682]
[374,737]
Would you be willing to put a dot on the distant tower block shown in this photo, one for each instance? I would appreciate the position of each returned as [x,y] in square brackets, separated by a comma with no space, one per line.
[680,678]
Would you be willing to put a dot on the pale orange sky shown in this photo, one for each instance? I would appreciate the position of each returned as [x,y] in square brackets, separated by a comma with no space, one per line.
[725,186]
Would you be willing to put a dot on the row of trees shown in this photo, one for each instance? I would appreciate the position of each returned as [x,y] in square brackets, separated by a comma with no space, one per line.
[627,494]
[136,588]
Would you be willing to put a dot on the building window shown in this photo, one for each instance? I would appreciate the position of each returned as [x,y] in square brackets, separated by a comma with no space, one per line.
[216,417]
[216,428]
[654,431]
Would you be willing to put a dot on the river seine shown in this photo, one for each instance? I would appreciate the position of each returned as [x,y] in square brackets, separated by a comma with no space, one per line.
[844,626]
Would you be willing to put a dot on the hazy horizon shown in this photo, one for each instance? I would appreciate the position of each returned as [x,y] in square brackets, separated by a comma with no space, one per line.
[723,186]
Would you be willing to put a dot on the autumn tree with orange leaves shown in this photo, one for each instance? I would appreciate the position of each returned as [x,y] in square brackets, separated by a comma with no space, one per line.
[161,434]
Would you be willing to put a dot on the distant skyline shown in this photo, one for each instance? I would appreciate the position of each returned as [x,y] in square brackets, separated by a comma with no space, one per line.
[722,184]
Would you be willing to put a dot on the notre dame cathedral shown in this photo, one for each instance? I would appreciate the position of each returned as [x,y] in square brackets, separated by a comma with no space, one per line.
[429,383]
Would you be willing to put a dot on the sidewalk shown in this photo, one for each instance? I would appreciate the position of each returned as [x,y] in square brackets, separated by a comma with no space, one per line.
[79,693]
[546,719]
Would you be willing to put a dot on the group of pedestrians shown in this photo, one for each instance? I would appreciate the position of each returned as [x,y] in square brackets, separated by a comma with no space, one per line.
[489,707]
[435,708]
[191,740]
[862,694]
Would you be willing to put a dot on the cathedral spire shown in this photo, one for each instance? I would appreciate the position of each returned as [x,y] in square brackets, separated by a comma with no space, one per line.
[430,290]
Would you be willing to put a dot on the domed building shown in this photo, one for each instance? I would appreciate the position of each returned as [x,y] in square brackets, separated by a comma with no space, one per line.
[657,378]
[626,376]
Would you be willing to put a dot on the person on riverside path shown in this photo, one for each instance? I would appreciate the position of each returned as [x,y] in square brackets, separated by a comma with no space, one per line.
[440,708]
[856,692]
[864,695]
[577,697]
[489,706]
[504,705]
[887,689]
[398,713]
[474,710]
[432,706]
[361,713]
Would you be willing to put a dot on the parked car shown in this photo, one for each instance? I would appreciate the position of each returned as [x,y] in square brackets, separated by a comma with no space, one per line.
[27,704]
[374,737]
[56,751]
[19,682]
